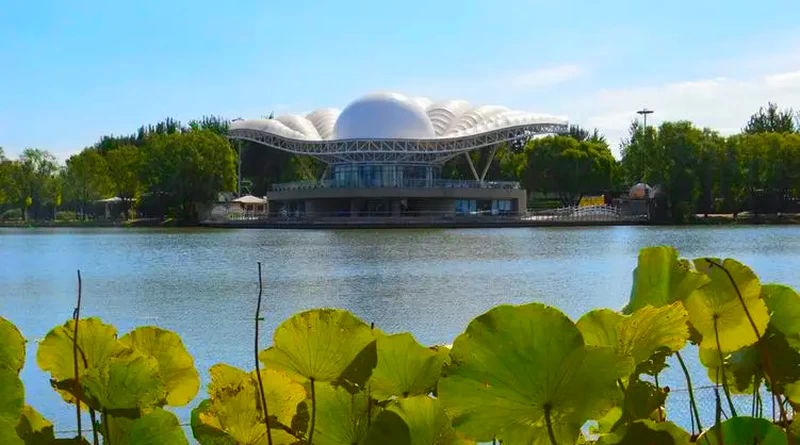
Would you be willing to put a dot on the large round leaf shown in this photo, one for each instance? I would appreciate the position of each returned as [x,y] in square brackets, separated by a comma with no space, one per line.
[647,432]
[34,429]
[717,304]
[404,367]
[783,303]
[97,342]
[7,434]
[660,278]
[127,381]
[414,421]
[12,346]
[159,427]
[175,364]
[12,395]
[342,417]
[744,430]
[320,345]
[638,337]
[513,364]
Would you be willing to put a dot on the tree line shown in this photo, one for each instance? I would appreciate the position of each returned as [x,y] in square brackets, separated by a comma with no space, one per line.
[174,170]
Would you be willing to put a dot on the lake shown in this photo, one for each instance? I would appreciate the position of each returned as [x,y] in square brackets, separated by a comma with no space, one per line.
[203,283]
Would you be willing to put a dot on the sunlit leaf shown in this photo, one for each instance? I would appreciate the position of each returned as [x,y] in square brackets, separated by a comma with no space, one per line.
[404,367]
[660,278]
[34,429]
[342,417]
[513,364]
[718,303]
[414,421]
[8,436]
[320,345]
[647,432]
[224,377]
[159,427]
[783,303]
[639,337]
[744,430]
[206,434]
[175,365]
[128,380]
[12,346]
[12,396]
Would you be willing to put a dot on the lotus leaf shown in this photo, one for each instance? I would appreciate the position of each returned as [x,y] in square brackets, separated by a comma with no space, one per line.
[740,368]
[717,304]
[419,420]
[34,429]
[320,345]
[639,337]
[234,416]
[12,396]
[515,364]
[744,430]
[127,381]
[647,432]
[342,417]
[175,365]
[159,427]
[783,303]
[660,278]
[12,346]
[404,367]
[7,434]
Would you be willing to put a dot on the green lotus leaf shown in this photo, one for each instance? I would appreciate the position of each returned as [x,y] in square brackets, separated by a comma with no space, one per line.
[320,345]
[639,337]
[116,429]
[234,415]
[97,342]
[419,420]
[159,427]
[8,436]
[12,396]
[717,303]
[127,381]
[34,429]
[642,399]
[404,367]
[175,365]
[744,430]
[12,346]
[783,303]
[342,417]
[647,432]
[515,363]
[740,368]
[661,278]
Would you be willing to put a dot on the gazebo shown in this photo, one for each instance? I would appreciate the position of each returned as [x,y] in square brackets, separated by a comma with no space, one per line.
[251,205]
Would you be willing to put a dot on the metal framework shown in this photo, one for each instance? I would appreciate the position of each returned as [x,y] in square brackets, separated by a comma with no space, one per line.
[423,151]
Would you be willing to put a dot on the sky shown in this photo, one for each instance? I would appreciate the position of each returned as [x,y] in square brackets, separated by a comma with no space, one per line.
[73,71]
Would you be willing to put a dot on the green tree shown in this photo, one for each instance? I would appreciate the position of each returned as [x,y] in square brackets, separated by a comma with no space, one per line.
[35,179]
[191,168]
[124,166]
[731,175]
[86,179]
[772,120]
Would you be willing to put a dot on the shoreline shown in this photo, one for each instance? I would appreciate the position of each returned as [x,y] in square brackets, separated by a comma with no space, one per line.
[372,223]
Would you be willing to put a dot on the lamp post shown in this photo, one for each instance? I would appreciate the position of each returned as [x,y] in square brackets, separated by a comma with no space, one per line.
[644,112]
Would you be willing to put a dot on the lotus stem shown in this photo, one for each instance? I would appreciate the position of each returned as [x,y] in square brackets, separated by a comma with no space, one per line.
[721,370]
[547,409]
[93,417]
[76,315]
[107,438]
[691,391]
[255,355]
[313,413]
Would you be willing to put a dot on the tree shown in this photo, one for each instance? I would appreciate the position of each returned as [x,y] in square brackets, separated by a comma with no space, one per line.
[124,165]
[567,166]
[35,179]
[191,168]
[582,134]
[86,178]
[772,120]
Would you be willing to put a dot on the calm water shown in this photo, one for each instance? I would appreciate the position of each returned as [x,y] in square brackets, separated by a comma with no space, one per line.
[202,283]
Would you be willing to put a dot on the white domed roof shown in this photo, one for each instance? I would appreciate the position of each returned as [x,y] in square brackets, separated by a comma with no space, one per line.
[384,116]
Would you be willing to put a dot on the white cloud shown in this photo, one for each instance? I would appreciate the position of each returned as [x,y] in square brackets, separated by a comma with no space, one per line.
[721,103]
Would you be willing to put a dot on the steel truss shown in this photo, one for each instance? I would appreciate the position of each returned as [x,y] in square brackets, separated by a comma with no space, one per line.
[423,151]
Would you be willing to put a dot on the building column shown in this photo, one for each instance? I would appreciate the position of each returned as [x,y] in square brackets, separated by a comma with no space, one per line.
[396,207]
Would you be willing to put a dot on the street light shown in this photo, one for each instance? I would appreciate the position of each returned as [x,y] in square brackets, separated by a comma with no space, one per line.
[644,112]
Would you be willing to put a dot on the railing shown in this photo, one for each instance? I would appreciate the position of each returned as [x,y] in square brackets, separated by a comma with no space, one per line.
[399,183]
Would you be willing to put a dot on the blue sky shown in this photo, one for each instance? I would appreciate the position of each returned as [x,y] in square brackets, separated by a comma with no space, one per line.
[73,71]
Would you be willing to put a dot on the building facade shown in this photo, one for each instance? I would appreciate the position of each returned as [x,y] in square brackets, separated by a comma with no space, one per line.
[384,155]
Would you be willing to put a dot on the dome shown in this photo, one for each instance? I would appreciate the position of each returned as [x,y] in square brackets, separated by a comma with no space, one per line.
[384,116]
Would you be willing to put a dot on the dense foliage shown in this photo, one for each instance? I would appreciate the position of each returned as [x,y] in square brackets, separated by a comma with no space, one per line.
[522,374]
[173,170]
